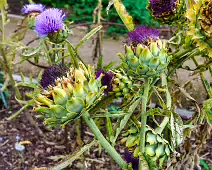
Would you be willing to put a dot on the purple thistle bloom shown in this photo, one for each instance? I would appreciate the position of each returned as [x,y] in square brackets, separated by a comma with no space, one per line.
[160,7]
[142,35]
[30,8]
[51,74]
[106,80]
[130,159]
[49,21]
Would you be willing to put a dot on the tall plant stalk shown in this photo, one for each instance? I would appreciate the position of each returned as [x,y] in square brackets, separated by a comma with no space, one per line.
[105,144]
[7,64]
[144,119]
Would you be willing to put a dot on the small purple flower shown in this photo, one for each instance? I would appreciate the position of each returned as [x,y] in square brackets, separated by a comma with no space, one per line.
[142,35]
[106,80]
[130,159]
[51,74]
[49,21]
[160,7]
[30,8]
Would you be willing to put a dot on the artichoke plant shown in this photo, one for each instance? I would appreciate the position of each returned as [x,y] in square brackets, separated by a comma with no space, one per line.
[146,54]
[66,92]
[200,31]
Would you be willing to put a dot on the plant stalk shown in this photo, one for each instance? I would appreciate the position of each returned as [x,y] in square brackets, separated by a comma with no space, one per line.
[143,119]
[202,76]
[6,64]
[105,144]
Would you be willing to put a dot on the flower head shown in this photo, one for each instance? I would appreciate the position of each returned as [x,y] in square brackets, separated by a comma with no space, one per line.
[142,35]
[51,74]
[33,8]
[106,80]
[162,7]
[50,21]
[130,159]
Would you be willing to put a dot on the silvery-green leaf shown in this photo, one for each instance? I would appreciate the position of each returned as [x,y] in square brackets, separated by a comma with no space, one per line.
[75,104]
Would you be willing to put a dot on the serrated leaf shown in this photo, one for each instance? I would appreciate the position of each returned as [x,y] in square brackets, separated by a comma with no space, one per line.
[123,14]
[126,118]
[176,125]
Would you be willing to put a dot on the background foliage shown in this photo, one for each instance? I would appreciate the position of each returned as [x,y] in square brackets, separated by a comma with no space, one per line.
[82,10]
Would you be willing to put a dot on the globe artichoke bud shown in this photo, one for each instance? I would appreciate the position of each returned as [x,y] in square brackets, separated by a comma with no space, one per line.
[50,24]
[167,11]
[145,54]
[199,16]
[156,147]
[66,92]
[116,82]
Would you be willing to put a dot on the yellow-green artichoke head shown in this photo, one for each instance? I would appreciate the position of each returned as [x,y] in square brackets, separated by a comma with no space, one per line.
[167,11]
[145,54]
[157,149]
[66,93]
[117,82]
[200,25]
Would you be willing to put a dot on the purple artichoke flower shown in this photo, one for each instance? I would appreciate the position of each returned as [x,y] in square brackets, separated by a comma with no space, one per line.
[130,159]
[142,35]
[161,7]
[50,21]
[51,74]
[106,80]
[31,8]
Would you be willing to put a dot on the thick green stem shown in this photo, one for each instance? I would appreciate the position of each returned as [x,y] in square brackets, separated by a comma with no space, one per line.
[182,52]
[105,144]
[202,76]
[163,124]
[143,119]
[187,57]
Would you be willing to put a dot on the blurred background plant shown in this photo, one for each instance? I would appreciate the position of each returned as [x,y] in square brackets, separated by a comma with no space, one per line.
[81,12]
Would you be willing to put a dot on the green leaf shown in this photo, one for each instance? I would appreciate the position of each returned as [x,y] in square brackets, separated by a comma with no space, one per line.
[109,66]
[29,103]
[99,64]
[205,165]
[176,125]
[123,14]
[88,36]
[126,118]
